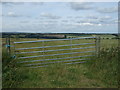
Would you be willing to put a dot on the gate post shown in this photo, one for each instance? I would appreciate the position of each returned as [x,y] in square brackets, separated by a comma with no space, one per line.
[97,46]
[8,45]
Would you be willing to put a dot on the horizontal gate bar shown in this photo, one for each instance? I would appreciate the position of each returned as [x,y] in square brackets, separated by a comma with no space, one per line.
[54,54]
[56,58]
[76,62]
[55,62]
[55,50]
[53,46]
[54,40]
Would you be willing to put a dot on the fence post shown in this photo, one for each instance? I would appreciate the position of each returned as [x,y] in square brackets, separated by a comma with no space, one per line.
[97,46]
[8,45]
[14,52]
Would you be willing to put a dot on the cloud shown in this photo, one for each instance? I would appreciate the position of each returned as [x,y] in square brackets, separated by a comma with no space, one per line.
[1,14]
[87,24]
[79,17]
[91,24]
[52,21]
[47,22]
[106,17]
[116,21]
[100,18]
[81,5]
[108,10]
[69,16]
[24,21]
[49,16]
[21,3]
[95,20]
[65,21]
[105,20]
[92,16]
[12,14]
[12,3]
[37,3]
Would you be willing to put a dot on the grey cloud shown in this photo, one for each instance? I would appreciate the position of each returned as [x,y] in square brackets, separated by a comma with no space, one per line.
[88,21]
[37,3]
[45,22]
[114,21]
[64,20]
[69,17]
[13,14]
[52,21]
[105,19]
[49,21]
[79,17]
[24,21]
[12,3]
[1,15]
[87,24]
[81,5]
[96,20]
[108,10]
[95,17]
[92,16]
[49,16]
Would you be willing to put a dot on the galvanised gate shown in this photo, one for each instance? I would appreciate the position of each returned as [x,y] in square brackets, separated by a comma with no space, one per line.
[67,51]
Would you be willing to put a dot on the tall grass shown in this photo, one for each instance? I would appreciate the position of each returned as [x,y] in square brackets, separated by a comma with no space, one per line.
[105,67]
[100,71]
[10,74]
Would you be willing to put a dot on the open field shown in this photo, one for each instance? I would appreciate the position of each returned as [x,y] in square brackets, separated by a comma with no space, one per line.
[96,73]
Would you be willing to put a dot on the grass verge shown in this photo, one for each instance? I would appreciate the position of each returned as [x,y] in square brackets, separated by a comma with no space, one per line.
[105,67]
[99,72]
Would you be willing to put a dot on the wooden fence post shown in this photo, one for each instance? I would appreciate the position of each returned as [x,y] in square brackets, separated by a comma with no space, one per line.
[97,46]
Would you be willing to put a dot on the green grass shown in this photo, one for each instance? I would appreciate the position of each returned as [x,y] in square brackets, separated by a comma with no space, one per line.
[108,43]
[10,77]
[98,72]
[105,67]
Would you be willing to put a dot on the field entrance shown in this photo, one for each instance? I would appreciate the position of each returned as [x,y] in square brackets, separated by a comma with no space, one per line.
[65,51]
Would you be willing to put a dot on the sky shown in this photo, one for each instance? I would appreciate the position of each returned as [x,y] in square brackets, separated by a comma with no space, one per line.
[60,17]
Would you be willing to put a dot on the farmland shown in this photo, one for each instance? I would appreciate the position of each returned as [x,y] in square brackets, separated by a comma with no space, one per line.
[96,73]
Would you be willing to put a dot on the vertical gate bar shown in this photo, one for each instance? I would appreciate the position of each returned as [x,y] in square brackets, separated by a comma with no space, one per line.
[9,49]
[43,49]
[14,51]
[6,44]
[71,44]
[98,46]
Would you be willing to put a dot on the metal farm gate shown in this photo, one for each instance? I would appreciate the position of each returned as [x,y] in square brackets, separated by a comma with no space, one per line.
[45,52]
